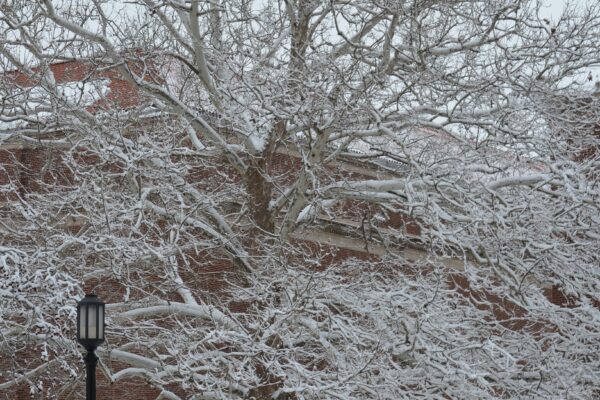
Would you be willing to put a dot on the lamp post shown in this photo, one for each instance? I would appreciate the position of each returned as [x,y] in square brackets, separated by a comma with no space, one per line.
[90,334]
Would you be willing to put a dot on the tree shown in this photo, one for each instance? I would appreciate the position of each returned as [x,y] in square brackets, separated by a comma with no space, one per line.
[188,208]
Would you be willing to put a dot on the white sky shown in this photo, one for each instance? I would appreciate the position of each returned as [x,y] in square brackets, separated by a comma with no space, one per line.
[553,9]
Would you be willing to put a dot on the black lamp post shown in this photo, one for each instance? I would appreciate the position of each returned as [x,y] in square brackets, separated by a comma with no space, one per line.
[90,333]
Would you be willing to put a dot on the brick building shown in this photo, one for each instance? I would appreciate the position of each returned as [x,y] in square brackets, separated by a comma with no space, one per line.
[56,163]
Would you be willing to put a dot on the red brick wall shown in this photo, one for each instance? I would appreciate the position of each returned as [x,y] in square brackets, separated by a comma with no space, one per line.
[9,174]
[123,94]
[39,169]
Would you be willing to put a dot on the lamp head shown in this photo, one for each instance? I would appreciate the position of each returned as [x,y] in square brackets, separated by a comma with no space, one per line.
[90,322]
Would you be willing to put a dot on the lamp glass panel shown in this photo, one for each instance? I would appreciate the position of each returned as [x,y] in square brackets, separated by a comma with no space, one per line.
[82,315]
[92,327]
[101,322]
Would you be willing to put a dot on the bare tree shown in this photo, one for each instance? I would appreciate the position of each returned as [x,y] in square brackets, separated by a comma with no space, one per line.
[457,141]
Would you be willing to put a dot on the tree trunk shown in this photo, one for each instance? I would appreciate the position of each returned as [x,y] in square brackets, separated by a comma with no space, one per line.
[259,189]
